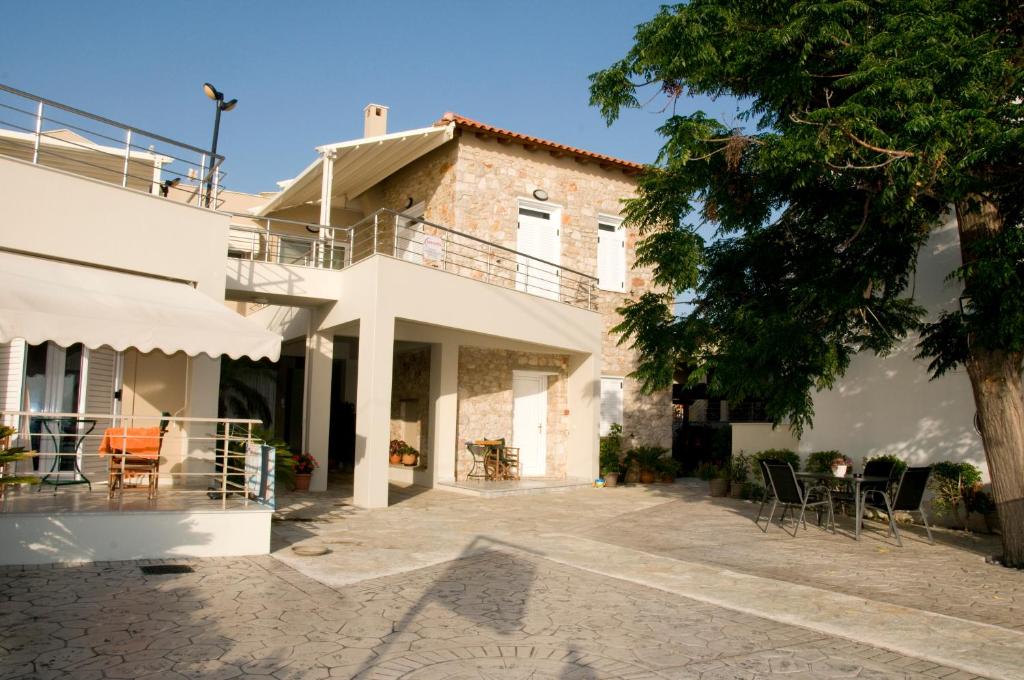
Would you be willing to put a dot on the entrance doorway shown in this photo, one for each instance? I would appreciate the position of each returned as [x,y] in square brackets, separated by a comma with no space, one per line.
[529,421]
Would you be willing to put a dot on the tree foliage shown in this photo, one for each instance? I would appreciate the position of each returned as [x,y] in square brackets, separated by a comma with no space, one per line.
[864,122]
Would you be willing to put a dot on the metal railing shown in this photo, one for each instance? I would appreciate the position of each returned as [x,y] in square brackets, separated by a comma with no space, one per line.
[302,244]
[412,239]
[205,460]
[46,132]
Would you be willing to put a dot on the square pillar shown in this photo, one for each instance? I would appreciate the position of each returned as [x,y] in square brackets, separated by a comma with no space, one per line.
[319,364]
[373,409]
[203,390]
[584,402]
[444,384]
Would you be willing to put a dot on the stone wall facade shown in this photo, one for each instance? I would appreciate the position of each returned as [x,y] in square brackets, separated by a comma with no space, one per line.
[485,401]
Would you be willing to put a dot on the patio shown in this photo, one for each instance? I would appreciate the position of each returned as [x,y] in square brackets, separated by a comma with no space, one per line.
[441,585]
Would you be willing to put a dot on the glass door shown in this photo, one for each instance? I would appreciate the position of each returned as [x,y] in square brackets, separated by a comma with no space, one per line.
[54,384]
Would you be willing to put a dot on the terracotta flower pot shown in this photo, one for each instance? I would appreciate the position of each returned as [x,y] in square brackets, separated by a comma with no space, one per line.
[718,486]
[395,459]
[736,490]
[611,479]
[302,481]
[409,459]
[647,477]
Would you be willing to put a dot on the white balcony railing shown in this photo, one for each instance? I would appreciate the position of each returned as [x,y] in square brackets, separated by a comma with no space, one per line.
[413,239]
[46,132]
[202,461]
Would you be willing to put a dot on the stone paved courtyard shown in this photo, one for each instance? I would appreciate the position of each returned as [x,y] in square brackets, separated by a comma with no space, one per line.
[619,583]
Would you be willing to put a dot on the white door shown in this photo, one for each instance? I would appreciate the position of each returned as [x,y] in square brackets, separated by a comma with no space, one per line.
[538,237]
[409,235]
[530,422]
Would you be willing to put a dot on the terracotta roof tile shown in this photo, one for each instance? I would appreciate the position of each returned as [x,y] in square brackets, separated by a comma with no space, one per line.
[469,123]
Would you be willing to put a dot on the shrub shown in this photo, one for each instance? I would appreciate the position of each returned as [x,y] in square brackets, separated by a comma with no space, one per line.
[821,461]
[951,482]
[785,455]
[611,451]
[898,464]
[669,466]
[739,468]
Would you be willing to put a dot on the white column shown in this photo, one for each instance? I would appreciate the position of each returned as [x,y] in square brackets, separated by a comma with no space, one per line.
[584,402]
[326,187]
[317,407]
[444,384]
[373,409]
[203,386]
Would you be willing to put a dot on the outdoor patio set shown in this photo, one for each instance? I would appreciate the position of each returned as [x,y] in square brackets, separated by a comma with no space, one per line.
[878,487]
[493,460]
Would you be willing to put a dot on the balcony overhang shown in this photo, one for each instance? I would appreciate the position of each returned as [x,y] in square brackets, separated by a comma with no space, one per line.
[357,165]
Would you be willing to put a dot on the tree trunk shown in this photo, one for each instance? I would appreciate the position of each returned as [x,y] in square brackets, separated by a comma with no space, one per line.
[999,399]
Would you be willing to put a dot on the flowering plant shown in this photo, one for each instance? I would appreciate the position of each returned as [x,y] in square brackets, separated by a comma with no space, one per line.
[304,463]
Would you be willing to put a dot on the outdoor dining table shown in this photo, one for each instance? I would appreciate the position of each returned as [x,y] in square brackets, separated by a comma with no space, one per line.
[853,481]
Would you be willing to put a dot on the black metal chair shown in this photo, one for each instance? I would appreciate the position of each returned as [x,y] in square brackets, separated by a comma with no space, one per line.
[767,487]
[791,494]
[908,497]
[872,468]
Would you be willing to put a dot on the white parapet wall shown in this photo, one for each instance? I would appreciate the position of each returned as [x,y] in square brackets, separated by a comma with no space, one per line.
[75,537]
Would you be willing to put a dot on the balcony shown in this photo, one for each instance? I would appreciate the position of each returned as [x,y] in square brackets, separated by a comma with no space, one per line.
[410,239]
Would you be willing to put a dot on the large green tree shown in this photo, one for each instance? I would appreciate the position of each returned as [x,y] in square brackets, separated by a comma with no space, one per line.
[865,125]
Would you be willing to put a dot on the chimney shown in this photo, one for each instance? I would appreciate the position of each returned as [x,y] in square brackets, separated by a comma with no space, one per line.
[375,120]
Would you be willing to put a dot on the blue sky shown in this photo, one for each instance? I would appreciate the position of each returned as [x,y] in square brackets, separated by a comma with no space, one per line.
[302,71]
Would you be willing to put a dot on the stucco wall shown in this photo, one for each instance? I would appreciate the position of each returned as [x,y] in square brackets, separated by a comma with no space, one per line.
[889,405]
[485,401]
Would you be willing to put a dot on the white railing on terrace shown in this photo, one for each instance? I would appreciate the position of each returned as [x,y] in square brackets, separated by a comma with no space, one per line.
[413,239]
[207,461]
[45,132]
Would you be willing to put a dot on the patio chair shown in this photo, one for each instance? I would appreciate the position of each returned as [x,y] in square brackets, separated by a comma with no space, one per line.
[908,497]
[509,459]
[872,468]
[767,487]
[118,473]
[790,494]
[485,458]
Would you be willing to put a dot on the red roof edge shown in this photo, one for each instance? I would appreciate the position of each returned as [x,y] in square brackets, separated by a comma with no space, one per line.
[468,123]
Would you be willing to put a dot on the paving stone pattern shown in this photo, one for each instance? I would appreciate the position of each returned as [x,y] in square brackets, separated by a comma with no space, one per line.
[496,614]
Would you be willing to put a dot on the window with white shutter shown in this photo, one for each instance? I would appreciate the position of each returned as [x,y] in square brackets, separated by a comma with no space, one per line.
[611,403]
[611,255]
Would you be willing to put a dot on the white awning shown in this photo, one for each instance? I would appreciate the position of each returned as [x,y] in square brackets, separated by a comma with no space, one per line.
[358,165]
[44,299]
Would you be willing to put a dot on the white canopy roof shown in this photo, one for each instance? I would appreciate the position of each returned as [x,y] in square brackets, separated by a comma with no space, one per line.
[67,303]
[358,165]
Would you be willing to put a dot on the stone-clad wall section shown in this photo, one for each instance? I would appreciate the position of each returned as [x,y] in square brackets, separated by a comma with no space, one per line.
[485,401]
[410,400]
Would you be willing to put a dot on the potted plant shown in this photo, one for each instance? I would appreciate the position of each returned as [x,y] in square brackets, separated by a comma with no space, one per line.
[304,466]
[648,460]
[611,455]
[979,502]
[395,451]
[668,470]
[718,483]
[410,456]
[841,464]
[10,455]
[739,471]
[950,482]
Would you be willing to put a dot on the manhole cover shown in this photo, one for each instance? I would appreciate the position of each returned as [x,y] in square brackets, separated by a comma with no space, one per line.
[310,550]
[159,569]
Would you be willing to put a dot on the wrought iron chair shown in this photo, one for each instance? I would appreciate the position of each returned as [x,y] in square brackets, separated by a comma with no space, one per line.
[485,458]
[767,487]
[791,494]
[908,497]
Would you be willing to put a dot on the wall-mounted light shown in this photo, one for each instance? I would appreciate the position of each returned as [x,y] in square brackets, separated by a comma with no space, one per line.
[540,194]
[409,203]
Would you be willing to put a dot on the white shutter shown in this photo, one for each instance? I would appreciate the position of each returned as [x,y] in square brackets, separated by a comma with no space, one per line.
[611,403]
[539,236]
[12,372]
[611,256]
[99,399]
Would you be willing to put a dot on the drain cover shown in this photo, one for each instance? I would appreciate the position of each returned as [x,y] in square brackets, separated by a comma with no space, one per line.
[158,569]
[310,550]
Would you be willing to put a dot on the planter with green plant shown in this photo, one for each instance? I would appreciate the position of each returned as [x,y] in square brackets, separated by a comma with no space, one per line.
[395,451]
[898,464]
[739,472]
[668,470]
[611,462]
[10,455]
[950,482]
[785,455]
[716,477]
[835,462]
[647,460]
[979,502]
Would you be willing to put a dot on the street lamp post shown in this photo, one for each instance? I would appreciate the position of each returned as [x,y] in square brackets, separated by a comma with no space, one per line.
[218,99]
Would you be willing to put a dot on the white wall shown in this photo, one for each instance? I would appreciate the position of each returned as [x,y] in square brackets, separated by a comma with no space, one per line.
[889,405]
[749,438]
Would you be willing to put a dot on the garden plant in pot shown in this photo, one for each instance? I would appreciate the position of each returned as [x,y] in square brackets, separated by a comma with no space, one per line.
[716,477]
[395,451]
[304,466]
[668,470]
[648,460]
[410,456]
[739,472]
[611,456]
